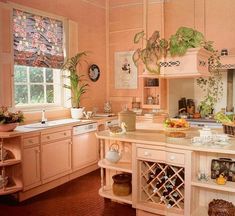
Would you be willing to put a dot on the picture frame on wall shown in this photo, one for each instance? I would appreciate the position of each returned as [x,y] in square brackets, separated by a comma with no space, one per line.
[126,74]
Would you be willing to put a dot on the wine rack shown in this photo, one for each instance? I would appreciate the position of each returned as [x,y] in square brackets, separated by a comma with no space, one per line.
[162,184]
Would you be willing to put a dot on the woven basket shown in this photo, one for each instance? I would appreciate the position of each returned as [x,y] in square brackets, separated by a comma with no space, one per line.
[229,129]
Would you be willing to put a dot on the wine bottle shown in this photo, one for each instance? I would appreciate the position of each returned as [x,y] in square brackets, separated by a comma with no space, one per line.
[176,196]
[169,188]
[170,203]
[169,172]
[157,171]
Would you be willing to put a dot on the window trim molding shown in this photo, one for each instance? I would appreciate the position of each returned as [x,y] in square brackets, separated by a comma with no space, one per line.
[66,51]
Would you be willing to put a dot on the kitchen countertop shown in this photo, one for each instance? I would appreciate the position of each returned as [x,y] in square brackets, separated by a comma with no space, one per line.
[22,129]
[158,137]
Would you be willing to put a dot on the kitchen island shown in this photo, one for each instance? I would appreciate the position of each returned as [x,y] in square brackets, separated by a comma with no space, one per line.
[150,155]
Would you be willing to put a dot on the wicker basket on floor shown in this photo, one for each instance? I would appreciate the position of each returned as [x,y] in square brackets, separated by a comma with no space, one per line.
[229,129]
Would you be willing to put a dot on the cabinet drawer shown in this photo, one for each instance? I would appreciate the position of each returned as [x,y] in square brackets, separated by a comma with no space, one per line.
[146,153]
[175,158]
[56,136]
[31,141]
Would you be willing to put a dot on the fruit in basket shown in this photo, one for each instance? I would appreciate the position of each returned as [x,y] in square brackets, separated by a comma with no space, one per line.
[176,123]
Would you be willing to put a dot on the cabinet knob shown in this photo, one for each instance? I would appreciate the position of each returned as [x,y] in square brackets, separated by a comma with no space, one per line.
[48,137]
[30,141]
[147,153]
[65,134]
[37,150]
[172,157]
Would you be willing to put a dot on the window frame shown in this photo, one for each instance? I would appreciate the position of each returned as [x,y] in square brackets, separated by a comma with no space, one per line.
[64,95]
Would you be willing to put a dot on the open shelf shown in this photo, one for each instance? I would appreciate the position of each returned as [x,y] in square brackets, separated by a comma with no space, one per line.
[107,192]
[9,162]
[211,184]
[121,166]
[12,186]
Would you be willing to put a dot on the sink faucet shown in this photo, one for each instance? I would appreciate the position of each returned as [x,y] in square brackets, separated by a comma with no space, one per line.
[44,119]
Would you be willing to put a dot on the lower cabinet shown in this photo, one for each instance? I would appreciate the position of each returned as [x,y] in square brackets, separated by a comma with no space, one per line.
[56,159]
[31,167]
[162,180]
[84,150]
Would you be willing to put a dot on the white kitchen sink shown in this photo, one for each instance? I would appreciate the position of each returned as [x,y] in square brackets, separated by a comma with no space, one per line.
[52,123]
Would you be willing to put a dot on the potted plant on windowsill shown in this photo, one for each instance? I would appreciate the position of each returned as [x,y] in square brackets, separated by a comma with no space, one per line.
[77,86]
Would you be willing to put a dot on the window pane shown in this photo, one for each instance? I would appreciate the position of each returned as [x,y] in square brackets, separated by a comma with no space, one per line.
[36,75]
[21,94]
[37,94]
[20,73]
[49,75]
[50,93]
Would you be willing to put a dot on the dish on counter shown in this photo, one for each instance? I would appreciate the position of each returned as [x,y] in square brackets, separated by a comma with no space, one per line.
[176,125]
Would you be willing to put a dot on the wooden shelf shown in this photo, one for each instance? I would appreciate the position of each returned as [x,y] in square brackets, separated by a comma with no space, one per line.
[211,184]
[151,106]
[151,87]
[12,188]
[10,162]
[121,166]
[107,192]
[200,211]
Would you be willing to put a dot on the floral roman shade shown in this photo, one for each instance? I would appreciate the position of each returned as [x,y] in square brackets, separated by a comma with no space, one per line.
[38,40]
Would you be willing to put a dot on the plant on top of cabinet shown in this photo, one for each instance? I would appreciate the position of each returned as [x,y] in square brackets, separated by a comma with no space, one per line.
[77,86]
[9,120]
[179,43]
[150,55]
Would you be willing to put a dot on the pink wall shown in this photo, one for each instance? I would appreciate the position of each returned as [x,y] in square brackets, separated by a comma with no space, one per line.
[90,16]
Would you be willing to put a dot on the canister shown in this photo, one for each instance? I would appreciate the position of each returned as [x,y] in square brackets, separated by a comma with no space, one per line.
[129,118]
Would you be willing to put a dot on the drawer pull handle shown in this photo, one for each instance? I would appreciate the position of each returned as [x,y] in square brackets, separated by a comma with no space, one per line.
[147,153]
[48,137]
[172,157]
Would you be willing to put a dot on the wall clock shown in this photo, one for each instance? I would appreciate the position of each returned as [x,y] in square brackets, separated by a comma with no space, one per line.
[94,72]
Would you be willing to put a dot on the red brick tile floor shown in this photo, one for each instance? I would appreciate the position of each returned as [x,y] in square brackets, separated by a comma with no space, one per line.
[76,198]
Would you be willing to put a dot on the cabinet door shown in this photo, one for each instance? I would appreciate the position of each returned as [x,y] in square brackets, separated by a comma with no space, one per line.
[56,159]
[31,167]
[85,150]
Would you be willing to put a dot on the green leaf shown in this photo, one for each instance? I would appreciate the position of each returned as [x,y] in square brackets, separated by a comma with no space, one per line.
[138,36]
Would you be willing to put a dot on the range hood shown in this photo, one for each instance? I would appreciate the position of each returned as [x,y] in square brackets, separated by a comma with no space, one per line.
[193,64]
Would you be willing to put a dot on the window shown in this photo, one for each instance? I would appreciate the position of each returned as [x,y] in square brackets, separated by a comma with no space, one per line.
[35,86]
[38,57]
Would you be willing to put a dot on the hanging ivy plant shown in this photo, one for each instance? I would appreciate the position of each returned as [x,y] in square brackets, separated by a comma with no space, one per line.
[155,49]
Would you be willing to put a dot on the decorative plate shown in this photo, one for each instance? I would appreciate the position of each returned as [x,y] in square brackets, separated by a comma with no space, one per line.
[94,72]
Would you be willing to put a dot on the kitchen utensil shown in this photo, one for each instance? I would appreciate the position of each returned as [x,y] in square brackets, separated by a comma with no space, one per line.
[113,155]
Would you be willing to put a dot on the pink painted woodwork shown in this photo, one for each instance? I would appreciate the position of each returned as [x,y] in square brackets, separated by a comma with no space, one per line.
[84,150]
[6,59]
[31,167]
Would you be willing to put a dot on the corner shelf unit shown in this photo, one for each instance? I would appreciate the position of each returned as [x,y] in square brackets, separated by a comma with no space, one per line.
[109,169]
[10,165]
